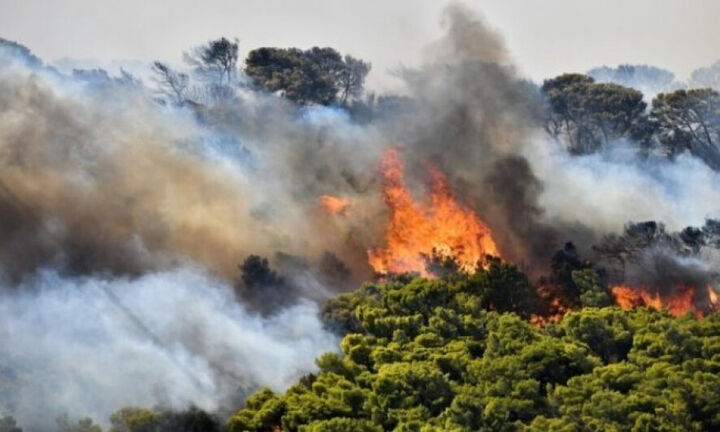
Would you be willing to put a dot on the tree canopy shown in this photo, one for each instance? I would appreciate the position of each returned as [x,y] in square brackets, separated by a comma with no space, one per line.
[689,120]
[590,115]
[216,59]
[706,77]
[650,80]
[317,75]
[447,355]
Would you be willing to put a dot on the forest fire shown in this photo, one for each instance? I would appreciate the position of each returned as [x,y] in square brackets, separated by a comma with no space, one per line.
[682,299]
[441,227]
[334,205]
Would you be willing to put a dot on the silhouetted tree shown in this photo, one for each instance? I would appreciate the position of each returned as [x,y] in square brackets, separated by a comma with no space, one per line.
[689,120]
[592,290]
[216,59]
[172,85]
[189,420]
[192,419]
[650,80]
[333,270]
[317,75]
[261,287]
[589,114]
[706,77]
[8,424]
[352,79]
[563,264]
[21,51]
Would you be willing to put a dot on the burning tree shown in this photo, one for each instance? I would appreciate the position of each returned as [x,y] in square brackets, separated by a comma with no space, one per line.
[440,228]
[427,353]
[652,267]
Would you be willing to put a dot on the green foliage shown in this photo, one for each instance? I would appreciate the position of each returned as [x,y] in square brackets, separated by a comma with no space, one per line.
[263,412]
[689,120]
[563,264]
[504,288]
[134,419]
[63,424]
[592,291]
[449,355]
[352,78]
[341,424]
[317,75]
[608,332]
[591,114]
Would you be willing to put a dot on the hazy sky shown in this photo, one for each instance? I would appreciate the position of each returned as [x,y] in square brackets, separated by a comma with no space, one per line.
[545,37]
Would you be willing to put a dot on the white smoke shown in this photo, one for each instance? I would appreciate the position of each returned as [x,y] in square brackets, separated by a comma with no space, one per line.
[606,190]
[90,345]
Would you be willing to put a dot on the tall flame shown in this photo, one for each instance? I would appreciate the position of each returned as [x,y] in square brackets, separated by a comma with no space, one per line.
[441,227]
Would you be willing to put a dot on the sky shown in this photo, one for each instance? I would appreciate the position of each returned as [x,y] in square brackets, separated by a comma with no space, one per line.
[545,37]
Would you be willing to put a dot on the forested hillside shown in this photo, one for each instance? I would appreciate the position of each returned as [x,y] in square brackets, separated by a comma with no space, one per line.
[456,355]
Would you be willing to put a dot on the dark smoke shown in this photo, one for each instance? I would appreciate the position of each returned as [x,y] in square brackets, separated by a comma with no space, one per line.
[647,255]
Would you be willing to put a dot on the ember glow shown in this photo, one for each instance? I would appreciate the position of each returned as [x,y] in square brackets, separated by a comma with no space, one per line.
[683,299]
[440,227]
[334,205]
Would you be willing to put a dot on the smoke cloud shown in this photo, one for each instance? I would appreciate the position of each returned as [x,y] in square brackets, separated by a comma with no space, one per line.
[90,345]
[606,190]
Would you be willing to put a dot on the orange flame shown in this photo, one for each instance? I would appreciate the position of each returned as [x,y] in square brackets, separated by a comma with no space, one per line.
[679,303]
[334,205]
[442,227]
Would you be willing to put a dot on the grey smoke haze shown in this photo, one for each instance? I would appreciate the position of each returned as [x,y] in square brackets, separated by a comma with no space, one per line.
[650,80]
[152,183]
[663,271]
[114,192]
[607,190]
[159,185]
[70,347]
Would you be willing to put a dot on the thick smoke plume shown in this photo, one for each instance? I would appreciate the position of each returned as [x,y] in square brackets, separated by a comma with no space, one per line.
[99,178]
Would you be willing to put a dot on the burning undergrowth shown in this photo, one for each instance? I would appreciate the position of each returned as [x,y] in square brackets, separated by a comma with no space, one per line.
[645,266]
[648,266]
